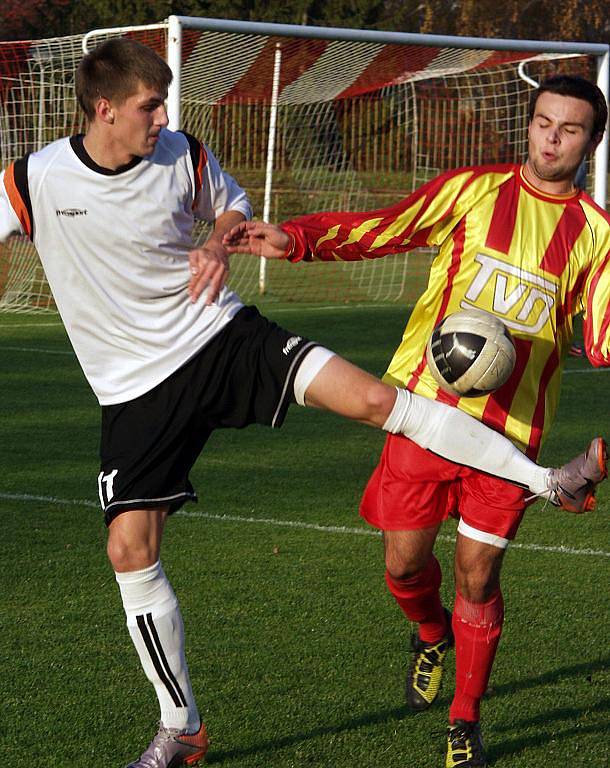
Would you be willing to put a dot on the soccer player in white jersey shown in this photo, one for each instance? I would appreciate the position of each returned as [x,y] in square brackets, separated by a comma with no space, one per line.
[172,354]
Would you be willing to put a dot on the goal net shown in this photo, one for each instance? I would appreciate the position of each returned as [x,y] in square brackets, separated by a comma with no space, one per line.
[358,125]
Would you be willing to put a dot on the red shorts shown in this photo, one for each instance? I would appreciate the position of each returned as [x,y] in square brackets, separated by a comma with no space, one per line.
[413,488]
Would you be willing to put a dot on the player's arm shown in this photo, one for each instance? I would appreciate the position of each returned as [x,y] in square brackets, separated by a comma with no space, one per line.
[424,218]
[218,199]
[596,322]
[259,239]
[209,264]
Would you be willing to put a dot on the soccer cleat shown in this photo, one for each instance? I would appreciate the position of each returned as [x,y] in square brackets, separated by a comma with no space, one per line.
[465,746]
[573,486]
[172,748]
[425,671]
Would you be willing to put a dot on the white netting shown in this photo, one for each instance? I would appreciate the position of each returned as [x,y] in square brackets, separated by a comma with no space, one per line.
[359,125]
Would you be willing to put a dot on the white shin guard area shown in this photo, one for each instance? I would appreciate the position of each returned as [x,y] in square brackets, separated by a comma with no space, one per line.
[155,625]
[456,436]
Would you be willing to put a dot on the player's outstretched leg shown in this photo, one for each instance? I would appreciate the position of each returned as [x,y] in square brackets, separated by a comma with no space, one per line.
[327,381]
[425,672]
[172,747]
[573,486]
[465,746]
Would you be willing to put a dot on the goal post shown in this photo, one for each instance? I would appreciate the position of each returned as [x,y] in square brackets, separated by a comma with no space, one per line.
[533,47]
[306,119]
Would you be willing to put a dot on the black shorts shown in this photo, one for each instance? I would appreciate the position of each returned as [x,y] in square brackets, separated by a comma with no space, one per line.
[148,445]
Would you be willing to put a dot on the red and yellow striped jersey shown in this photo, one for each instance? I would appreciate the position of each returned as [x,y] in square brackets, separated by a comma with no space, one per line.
[533,259]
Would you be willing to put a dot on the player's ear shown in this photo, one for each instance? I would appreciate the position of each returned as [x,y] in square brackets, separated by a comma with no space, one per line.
[104,110]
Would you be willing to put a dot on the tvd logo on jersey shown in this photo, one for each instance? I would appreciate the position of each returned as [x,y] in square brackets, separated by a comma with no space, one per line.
[522,299]
[71,212]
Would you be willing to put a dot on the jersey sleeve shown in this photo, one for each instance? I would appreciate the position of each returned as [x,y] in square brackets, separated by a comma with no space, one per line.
[15,206]
[596,320]
[216,191]
[424,218]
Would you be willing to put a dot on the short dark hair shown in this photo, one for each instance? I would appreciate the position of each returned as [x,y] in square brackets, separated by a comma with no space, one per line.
[579,88]
[114,70]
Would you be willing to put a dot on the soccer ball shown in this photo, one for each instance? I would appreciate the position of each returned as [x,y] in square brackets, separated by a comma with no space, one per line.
[471,353]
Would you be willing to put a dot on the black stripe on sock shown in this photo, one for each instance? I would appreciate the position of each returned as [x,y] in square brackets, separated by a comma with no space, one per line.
[156,661]
[163,658]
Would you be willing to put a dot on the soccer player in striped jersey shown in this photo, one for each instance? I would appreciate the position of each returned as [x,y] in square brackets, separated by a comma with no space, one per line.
[522,242]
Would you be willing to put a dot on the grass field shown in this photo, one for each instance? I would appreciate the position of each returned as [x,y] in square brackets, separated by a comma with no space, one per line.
[297,653]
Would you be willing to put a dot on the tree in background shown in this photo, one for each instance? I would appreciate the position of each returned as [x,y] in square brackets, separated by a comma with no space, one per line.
[25,19]
[583,20]
[580,20]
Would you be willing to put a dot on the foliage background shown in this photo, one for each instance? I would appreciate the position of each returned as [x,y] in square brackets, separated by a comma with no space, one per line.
[579,20]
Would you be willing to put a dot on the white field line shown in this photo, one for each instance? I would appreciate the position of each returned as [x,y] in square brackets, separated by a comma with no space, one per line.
[30,325]
[586,370]
[268,310]
[562,550]
[323,308]
[70,353]
[38,351]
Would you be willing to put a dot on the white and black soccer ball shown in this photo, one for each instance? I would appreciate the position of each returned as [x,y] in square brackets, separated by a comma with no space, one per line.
[471,353]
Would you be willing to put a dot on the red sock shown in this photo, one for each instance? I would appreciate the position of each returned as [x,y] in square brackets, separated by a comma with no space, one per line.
[420,601]
[477,628]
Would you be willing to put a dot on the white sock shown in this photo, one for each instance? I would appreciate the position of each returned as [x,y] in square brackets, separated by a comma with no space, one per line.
[155,626]
[459,437]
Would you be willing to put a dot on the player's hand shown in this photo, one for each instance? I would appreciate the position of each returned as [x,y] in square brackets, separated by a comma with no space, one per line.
[258,238]
[209,267]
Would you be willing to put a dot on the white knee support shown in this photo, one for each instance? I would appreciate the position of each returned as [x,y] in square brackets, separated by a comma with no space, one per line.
[310,367]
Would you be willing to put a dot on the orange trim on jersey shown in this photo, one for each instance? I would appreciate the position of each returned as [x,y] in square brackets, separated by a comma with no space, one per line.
[538,419]
[16,201]
[504,217]
[546,195]
[203,160]
[568,230]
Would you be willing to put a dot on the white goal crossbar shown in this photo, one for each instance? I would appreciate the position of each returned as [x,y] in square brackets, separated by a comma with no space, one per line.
[599,51]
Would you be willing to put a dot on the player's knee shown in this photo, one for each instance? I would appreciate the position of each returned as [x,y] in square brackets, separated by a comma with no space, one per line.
[126,555]
[406,565]
[379,400]
[476,584]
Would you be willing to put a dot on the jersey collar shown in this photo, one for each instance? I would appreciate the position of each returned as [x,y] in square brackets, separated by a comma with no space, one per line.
[529,187]
[77,144]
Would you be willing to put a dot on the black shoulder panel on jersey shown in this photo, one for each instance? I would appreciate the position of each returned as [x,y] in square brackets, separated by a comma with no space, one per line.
[195,149]
[23,187]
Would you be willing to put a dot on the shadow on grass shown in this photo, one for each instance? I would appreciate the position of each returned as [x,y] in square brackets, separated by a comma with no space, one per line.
[576,670]
[395,714]
[550,725]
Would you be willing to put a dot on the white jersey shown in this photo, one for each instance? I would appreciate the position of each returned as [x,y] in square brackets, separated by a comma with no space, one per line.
[114,246]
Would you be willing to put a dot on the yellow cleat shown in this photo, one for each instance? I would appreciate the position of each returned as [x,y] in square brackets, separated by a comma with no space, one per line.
[425,672]
[465,746]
